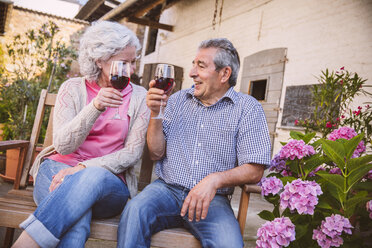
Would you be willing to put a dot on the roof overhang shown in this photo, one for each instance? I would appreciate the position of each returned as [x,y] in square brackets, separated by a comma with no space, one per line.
[143,12]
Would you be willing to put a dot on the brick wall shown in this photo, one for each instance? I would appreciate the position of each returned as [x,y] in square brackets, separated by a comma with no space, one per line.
[319,34]
[22,19]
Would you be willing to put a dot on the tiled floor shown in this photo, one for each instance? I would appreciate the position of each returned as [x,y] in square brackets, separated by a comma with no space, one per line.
[253,221]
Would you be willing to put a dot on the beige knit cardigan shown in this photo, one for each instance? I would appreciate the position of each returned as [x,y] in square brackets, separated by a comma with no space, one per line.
[73,120]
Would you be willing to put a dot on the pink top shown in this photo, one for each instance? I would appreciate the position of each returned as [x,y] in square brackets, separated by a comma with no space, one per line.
[106,136]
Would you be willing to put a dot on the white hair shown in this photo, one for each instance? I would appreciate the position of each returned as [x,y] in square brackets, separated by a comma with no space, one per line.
[101,41]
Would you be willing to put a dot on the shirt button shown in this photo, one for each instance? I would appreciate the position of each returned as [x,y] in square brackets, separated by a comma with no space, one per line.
[196,162]
[194,182]
[199,144]
[201,125]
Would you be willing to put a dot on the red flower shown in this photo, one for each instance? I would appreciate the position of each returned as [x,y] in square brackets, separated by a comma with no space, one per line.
[296,122]
[342,68]
[338,119]
[367,106]
[359,107]
[329,124]
[341,82]
[342,116]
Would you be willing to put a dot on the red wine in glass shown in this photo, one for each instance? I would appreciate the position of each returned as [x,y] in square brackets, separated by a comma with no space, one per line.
[164,83]
[119,82]
[119,78]
[164,79]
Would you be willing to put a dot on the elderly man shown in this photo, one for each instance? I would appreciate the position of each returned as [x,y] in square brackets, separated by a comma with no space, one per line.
[212,139]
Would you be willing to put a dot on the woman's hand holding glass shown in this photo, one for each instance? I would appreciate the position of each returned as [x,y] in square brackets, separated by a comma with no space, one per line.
[107,98]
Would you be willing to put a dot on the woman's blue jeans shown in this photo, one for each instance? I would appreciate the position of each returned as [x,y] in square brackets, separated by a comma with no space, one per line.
[63,216]
[158,207]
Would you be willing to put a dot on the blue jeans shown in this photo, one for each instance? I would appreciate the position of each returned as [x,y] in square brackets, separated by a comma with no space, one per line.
[63,216]
[158,207]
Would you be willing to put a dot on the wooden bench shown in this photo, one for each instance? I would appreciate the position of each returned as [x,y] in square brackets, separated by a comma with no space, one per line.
[18,203]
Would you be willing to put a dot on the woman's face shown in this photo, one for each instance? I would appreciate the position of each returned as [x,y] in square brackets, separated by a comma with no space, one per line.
[127,55]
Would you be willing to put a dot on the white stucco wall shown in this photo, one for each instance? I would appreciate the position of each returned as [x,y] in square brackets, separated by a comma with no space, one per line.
[319,34]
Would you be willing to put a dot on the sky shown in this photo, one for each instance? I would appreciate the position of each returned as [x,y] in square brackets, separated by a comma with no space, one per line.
[54,7]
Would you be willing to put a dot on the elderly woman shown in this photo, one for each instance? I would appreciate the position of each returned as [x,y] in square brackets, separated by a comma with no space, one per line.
[88,172]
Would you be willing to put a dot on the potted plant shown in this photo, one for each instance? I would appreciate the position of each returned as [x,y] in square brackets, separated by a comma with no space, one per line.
[321,187]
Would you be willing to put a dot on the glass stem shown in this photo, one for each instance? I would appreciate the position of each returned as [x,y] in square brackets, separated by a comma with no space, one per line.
[161,108]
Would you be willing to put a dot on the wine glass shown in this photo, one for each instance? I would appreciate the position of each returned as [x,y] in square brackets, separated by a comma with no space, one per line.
[119,78]
[164,78]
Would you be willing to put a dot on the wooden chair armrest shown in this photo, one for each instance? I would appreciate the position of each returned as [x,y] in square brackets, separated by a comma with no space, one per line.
[251,188]
[11,144]
[247,189]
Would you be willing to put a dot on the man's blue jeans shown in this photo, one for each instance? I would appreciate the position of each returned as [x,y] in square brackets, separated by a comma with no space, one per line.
[158,207]
[63,216]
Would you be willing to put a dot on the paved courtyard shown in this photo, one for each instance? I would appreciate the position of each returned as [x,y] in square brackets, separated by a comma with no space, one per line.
[256,205]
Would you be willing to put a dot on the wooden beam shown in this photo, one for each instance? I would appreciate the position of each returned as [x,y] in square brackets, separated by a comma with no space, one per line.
[147,8]
[150,23]
[123,6]
[88,9]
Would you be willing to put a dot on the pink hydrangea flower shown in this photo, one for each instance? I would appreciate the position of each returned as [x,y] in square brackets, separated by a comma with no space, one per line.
[296,149]
[277,233]
[347,133]
[271,185]
[369,208]
[301,196]
[330,231]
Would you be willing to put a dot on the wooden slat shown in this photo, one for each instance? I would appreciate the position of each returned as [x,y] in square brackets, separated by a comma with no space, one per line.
[34,137]
[51,99]
[48,140]
[243,209]
[28,192]
[11,144]
[146,169]
[15,211]
[176,237]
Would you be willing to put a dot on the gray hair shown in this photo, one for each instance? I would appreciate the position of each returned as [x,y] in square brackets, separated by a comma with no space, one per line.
[103,40]
[226,56]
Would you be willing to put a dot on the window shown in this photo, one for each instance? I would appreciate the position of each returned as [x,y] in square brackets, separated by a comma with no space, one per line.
[257,89]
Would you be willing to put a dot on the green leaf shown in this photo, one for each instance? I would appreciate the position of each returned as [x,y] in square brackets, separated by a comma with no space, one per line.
[285,180]
[352,202]
[276,211]
[313,162]
[296,135]
[323,204]
[266,215]
[335,179]
[301,230]
[351,145]
[367,185]
[357,175]
[335,151]
[308,137]
[356,163]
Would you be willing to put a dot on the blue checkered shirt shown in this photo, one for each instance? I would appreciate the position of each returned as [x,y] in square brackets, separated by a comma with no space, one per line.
[201,140]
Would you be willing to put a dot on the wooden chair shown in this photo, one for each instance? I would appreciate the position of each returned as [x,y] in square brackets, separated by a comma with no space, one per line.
[18,203]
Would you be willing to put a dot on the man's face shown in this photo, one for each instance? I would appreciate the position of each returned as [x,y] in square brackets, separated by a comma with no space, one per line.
[208,82]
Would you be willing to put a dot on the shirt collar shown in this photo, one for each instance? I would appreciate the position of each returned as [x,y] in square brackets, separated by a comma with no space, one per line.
[230,95]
